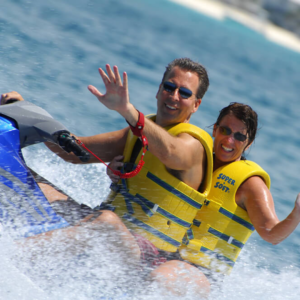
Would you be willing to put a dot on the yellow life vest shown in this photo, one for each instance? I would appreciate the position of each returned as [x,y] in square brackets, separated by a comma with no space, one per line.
[154,203]
[221,228]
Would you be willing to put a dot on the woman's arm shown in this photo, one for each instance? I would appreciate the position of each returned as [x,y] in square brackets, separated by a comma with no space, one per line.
[255,197]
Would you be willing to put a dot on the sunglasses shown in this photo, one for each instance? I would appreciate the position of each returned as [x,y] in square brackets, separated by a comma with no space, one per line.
[224,130]
[183,92]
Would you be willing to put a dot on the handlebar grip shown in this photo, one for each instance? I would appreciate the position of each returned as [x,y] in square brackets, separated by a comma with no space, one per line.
[11,101]
[68,143]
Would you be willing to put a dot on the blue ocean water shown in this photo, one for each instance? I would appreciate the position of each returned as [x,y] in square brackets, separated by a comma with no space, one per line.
[50,52]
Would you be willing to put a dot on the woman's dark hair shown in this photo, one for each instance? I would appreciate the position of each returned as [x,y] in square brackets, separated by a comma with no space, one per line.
[244,113]
[187,64]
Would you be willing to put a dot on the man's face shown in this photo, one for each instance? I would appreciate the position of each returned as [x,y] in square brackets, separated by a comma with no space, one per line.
[172,108]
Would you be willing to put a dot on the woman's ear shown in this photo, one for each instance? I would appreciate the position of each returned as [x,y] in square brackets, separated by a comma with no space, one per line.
[248,146]
[214,130]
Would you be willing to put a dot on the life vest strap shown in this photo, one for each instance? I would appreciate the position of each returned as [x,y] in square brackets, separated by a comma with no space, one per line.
[217,256]
[229,239]
[163,212]
[226,238]
[151,230]
[128,198]
[211,254]
[174,191]
[150,208]
[190,234]
[236,219]
[196,223]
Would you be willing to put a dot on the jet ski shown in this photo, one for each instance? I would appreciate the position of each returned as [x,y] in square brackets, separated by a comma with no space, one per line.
[24,209]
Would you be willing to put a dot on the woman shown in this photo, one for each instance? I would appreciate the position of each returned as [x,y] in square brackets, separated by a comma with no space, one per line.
[239,202]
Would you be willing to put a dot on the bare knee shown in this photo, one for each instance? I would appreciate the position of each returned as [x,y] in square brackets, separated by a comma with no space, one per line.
[181,278]
[108,217]
[105,217]
[116,232]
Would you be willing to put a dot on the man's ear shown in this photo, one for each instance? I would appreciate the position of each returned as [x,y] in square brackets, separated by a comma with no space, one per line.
[158,91]
[197,104]
[214,130]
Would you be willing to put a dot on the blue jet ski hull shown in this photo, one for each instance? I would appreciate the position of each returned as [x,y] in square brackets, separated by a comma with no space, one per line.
[24,210]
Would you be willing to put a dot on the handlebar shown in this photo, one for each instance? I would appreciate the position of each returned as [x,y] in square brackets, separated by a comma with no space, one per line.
[11,101]
[68,143]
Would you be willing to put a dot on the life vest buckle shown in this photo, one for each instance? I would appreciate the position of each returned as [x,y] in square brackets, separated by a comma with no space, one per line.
[115,187]
[155,207]
[206,202]
[230,239]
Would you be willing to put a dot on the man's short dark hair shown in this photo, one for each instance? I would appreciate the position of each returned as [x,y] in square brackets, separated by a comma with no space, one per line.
[187,64]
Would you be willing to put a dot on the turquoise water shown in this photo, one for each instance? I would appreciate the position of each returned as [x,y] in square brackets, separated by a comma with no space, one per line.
[50,52]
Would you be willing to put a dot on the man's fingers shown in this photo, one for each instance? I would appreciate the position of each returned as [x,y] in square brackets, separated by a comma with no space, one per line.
[117,76]
[297,202]
[114,165]
[10,96]
[117,165]
[110,74]
[3,98]
[94,91]
[104,77]
[119,157]
[125,80]
[114,178]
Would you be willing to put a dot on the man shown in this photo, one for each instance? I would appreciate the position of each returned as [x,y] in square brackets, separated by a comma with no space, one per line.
[182,154]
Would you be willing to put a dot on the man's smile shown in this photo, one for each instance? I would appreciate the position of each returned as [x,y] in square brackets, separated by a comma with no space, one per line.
[170,107]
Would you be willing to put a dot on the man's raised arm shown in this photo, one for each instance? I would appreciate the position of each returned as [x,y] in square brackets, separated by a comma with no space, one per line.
[182,152]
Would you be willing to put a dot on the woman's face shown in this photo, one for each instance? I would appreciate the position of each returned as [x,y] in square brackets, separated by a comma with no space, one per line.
[228,148]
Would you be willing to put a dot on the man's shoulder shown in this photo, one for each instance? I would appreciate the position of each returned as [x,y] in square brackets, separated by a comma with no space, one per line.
[187,128]
[196,132]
